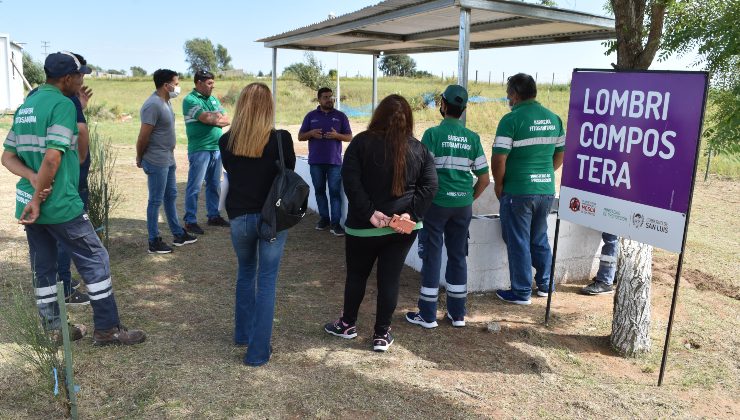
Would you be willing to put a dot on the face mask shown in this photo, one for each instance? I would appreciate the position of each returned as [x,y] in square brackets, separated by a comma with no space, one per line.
[175,93]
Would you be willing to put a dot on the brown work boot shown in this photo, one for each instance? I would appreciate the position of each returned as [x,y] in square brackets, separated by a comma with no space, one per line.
[118,335]
[76,332]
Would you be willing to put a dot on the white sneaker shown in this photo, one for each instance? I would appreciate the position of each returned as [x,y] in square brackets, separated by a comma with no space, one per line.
[460,322]
[415,318]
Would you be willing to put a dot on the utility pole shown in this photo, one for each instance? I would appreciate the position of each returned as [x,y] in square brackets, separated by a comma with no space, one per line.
[45,46]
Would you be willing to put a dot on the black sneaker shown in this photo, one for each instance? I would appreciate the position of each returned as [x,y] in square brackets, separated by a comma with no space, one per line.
[415,318]
[194,228]
[77,298]
[218,221]
[322,225]
[183,239]
[382,342]
[159,247]
[341,329]
[74,283]
[337,230]
[597,288]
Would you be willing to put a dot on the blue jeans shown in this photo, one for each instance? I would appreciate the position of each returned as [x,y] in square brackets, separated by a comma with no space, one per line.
[256,275]
[79,240]
[608,259]
[64,262]
[204,165]
[448,224]
[162,188]
[524,229]
[321,174]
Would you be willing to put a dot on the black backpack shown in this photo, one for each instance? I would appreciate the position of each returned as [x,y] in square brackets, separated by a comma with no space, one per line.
[286,202]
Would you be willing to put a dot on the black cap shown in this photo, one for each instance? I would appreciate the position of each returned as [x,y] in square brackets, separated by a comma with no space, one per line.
[60,64]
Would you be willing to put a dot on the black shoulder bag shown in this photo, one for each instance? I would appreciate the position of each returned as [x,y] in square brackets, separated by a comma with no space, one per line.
[286,202]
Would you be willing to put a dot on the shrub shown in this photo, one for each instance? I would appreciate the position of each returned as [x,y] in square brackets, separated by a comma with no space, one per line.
[104,194]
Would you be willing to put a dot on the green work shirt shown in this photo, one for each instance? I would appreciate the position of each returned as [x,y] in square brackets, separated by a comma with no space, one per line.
[47,120]
[457,152]
[201,136]
[530,135]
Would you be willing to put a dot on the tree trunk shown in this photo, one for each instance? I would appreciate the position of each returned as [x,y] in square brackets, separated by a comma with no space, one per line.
[631,321]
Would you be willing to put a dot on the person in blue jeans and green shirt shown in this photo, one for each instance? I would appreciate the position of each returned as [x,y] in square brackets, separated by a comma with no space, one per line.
[528,148]
[204,120]
[325,128]
[458,155]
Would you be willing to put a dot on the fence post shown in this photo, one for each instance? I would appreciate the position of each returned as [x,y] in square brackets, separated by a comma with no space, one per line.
[489,77]
[476,76]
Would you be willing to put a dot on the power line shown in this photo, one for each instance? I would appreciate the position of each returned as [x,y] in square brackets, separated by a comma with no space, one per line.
[45,46]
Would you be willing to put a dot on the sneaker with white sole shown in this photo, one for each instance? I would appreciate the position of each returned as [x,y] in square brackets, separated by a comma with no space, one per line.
[382,342]
[415,318]
[159,247]
[184,239]
[341,329]
[456,322]
[77,298]
[598,288]
[511,297]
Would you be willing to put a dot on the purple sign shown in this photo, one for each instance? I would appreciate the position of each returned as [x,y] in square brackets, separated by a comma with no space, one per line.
[632,140]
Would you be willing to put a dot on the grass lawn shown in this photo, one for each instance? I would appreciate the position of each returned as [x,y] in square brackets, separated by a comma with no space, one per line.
[189,368]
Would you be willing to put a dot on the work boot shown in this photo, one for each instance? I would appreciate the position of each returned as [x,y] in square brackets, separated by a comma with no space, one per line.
[76,332]
[118,335]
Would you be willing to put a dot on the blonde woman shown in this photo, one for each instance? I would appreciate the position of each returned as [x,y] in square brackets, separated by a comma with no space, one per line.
[249,152]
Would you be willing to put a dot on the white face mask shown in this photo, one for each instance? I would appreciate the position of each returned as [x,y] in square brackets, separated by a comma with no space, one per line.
[175,93]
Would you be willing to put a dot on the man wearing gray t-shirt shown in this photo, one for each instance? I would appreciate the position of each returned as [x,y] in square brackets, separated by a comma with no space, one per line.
[155,154]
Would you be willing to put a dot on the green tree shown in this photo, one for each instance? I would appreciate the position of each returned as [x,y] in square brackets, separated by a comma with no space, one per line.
[711,28]
[201,55]
[310,74]
[137,71]
[32,70]
[397,65]
[223,58]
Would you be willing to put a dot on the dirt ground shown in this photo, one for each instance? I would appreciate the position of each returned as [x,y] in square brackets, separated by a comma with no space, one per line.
[189,367]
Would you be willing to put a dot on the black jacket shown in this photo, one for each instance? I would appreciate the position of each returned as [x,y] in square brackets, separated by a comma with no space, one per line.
[367,175]
[250,179]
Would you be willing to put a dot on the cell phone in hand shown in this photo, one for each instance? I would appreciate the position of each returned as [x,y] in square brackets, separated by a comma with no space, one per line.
[406,225]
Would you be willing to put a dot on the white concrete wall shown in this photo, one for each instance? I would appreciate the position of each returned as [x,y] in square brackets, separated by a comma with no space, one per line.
[11,82]
[488,265]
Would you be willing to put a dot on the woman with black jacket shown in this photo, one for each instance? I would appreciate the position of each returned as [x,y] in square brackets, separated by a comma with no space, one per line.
[386,172]
[249,152]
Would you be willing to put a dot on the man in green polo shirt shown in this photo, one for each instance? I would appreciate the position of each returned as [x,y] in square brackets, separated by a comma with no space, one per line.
[41,148]
[527,150]
[458,155]
[204,119]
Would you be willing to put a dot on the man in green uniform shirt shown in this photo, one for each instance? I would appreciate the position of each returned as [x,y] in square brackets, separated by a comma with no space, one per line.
[458,155]
[204,118]
[527,150]
[41,148]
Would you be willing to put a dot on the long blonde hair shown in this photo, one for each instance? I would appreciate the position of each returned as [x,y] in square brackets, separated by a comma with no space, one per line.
[253,121]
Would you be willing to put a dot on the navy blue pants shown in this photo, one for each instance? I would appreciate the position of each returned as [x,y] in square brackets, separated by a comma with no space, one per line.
[80,242]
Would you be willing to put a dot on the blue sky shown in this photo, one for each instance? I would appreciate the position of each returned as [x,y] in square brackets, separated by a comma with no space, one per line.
[151,34]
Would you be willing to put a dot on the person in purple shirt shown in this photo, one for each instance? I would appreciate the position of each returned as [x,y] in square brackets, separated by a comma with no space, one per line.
[326,128]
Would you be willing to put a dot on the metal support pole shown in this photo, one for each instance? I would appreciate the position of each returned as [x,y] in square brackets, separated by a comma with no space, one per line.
[274,86]
[375,82]
[551,286]
[339,92]
[463,52]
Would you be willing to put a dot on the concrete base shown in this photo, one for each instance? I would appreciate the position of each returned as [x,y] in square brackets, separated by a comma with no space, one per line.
[488,265]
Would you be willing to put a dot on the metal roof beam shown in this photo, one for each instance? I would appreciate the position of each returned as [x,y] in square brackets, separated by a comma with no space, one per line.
[374,35]
[539,12]
[478,27]
[370,20]
[550,39]
[356,45]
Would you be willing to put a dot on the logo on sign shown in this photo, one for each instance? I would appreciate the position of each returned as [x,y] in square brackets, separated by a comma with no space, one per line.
[614,214]
[656,225]
[637,220]
[575,204]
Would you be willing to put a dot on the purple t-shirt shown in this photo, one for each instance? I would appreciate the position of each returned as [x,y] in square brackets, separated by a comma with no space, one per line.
[325,150]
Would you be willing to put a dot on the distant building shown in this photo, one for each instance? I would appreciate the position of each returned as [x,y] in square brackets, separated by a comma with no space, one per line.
[236,73]
[11,74]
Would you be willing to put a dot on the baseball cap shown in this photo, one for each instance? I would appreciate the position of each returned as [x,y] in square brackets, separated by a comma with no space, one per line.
[60,64]
[456,95]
